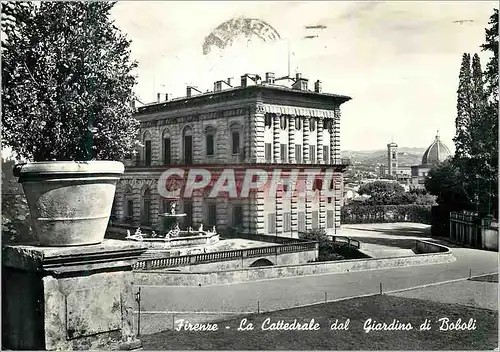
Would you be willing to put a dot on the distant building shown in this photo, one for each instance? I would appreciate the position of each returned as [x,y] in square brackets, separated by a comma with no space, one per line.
[436,153]
[392,159]
[381,171]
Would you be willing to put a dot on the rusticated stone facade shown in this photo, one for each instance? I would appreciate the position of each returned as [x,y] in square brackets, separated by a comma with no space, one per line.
[260,127]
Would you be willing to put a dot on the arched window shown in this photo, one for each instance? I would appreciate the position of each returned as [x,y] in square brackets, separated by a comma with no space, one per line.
[146,207]
[146,141]
[235,131]
[283,122]
[210,133]
[328,124]
[167,147]
[128,203]
[268,120]
[312,125]
[298,123]
[187,144]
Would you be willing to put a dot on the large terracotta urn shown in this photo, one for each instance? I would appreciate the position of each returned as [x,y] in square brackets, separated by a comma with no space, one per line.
[70,201]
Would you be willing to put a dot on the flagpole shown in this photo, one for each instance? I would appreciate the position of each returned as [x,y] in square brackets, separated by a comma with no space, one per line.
[289,58]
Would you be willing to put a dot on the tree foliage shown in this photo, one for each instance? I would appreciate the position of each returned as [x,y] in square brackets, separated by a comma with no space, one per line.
[67,82]
[15,212]
[445,181]
[392,193]
[377,187]
[464,95]
[366,214]
[474,168]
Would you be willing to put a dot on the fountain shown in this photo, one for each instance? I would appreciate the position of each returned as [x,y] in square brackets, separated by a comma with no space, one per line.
[174,236]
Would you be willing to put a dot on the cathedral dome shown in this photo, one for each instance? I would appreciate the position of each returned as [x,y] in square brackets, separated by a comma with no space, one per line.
[436,153]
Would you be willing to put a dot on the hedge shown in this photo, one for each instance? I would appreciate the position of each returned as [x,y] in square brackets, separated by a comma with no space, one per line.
[365,214]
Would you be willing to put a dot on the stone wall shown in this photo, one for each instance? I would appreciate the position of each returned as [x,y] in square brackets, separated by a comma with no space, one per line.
[280,271]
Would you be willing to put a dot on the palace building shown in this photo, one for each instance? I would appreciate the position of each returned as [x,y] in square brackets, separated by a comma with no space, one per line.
[259,124]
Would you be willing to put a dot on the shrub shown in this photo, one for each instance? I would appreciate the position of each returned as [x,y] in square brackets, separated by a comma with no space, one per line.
[359,214]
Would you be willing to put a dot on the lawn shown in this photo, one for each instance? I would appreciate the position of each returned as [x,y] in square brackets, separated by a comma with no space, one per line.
[486,278]
[381,308]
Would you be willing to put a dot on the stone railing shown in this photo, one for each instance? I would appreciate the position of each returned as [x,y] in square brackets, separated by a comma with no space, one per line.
[164,261]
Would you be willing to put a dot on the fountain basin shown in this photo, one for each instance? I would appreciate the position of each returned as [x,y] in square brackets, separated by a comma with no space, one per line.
[185,239]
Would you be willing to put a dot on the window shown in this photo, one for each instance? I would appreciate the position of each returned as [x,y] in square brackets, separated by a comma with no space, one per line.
[271,223]
[210,144]
[146,208]
[147,157]
[315,219]
[394,155]
[394,164]
[188,145]
[284,153]
[283,122]
[298,153]
[301,221]
[235,139]
[298,123]
[326,154]
[187,208]
[312,153]
[209,141]
[165,205]
[329,219]
[287,222]
[130,209]
[211,216]
[167,156]
[328,124]
[237,215]
[312,125]
[268,120]
[269,152]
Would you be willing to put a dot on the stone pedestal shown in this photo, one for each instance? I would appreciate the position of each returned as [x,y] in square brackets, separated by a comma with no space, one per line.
[69,298]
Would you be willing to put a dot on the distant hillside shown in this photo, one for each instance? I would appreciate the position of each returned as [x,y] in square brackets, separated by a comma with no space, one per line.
[406,156]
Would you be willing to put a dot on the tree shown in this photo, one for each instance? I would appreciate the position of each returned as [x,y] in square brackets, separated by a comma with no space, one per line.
[491,72]
[67,82]
[445,182]
[373,188]
[462,121]
[491,114]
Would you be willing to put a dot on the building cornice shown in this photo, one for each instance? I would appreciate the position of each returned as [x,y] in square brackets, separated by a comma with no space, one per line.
[212,99]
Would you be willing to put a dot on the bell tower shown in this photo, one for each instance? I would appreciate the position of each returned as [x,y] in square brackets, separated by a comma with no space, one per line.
[392,159]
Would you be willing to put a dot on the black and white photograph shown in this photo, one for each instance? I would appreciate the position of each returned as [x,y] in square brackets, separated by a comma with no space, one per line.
[249,175]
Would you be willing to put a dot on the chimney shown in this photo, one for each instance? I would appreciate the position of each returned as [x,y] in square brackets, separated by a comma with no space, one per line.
[229,82]
[244,81]
[258,80]
[300,83]
[318,86]
[270,77]
[218,86]
[189,92]
[158,97]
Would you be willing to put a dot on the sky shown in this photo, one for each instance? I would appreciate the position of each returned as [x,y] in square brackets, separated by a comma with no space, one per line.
[399,61]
